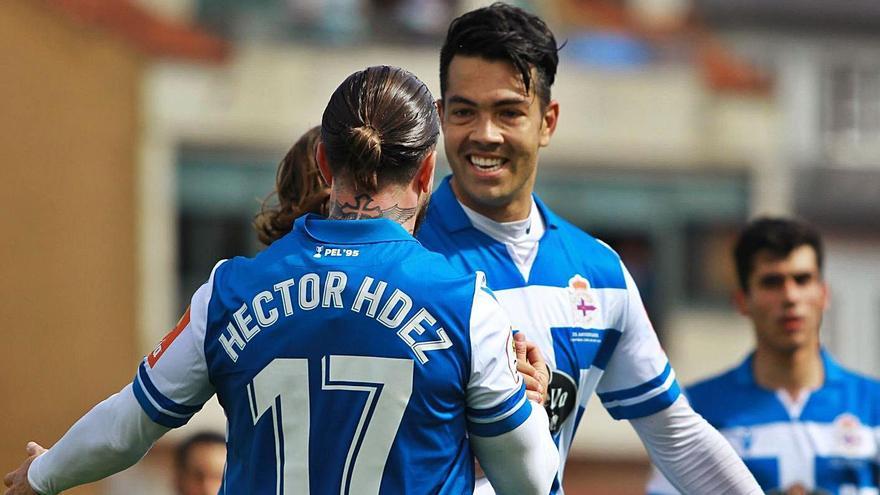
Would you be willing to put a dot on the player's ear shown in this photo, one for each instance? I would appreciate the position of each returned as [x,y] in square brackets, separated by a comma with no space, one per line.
[549,121]
[740,300]
[425,174]
[826,295]
[323,166]
[439,104]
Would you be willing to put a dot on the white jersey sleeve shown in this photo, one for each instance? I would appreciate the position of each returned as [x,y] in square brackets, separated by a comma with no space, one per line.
[172,382]
[658,484]
[638,380]
[694,456]
[496,398]
[523,461]
[114,435]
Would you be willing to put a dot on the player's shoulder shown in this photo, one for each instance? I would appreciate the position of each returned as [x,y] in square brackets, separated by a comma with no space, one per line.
[576,236]
[862,385]
[714,386]
[852,376]
[596,258]
[717,397]
[230,269]
[851,391]
[239,274]
[435,271]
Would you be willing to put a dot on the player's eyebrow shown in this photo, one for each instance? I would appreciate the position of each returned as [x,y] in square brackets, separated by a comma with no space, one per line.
[461,100]
[509,101]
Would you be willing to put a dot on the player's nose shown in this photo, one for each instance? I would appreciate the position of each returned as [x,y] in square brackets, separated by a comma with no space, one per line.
[486,131]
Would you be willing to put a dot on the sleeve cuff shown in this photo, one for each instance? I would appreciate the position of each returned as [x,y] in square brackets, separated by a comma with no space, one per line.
[502,418]
[643,400]
[159,408]
[33,476]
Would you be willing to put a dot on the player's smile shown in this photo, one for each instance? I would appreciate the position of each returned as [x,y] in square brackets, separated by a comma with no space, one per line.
[485,165]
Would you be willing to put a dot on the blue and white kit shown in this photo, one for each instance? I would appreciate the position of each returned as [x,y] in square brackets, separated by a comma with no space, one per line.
[351,342]
[580,306]
[826,442]
[348,359]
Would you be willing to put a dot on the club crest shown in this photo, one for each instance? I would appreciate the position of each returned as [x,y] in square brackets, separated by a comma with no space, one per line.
[850,433]
[583,305]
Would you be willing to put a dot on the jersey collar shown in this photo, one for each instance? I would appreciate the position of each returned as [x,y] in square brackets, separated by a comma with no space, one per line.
[351,231]
[833,372]
[454,219]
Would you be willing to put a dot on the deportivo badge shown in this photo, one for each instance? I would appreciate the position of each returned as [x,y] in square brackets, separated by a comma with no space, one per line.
[850,435]
[582,303]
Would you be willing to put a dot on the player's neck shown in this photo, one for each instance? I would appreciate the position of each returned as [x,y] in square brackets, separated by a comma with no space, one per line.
[392,203]
[512,211]
[793,371]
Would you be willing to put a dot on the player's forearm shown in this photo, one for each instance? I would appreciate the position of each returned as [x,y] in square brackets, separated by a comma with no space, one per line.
[692,455]
[522,461]
[114,435]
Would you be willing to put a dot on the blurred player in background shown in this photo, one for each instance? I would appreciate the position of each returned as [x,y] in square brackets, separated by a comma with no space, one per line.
[198,464]
[565,290]
[802,423]
[338,367]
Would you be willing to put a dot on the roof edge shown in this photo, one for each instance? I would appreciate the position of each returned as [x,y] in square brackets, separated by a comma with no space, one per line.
[149,33]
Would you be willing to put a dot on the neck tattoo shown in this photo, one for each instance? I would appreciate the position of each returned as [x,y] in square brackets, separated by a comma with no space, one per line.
[365,207]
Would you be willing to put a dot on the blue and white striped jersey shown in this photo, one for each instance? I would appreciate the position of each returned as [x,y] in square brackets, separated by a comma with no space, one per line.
[348,359]
[579,305]
[825,443]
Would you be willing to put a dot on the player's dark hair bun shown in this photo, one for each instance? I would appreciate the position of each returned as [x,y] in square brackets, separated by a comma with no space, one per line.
[378,126]
[367,148]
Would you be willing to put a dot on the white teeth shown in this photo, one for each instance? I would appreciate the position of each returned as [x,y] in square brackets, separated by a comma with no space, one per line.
[486,163]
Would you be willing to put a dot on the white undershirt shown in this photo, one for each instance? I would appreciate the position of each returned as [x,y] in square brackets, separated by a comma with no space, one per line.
[521,237]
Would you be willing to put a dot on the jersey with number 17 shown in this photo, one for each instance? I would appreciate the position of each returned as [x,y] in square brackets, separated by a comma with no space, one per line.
[348,359]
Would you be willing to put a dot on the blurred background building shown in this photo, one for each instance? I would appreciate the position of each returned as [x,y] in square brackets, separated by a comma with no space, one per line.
[137,140]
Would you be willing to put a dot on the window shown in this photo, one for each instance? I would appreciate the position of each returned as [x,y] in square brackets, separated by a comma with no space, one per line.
[219,192]
[851,119]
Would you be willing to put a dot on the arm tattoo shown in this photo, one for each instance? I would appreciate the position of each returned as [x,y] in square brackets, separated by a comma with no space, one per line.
[365,208]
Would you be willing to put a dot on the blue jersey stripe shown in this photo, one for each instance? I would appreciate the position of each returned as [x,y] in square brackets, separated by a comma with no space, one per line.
[487,415]
[158,416]
[164,402]
[653,405]
[639,389]
[518,417]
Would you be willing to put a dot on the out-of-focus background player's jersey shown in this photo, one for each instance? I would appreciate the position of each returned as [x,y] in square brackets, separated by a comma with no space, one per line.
[825,443]
[579,305]
[345,356]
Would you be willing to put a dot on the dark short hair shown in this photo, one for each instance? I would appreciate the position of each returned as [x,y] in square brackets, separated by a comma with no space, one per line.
[502,32]
[779,237]
[181,453]
[378,126]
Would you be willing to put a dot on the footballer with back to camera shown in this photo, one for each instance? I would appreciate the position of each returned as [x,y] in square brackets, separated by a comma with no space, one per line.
[339,373]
